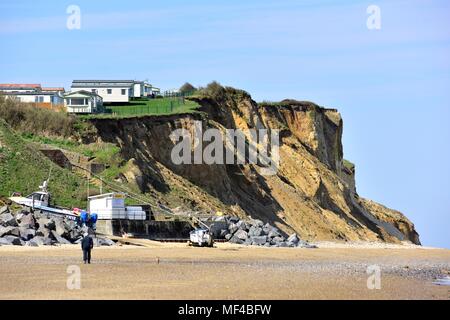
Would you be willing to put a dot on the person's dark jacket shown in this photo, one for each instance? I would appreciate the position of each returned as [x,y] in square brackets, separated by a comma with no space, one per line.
[87,243]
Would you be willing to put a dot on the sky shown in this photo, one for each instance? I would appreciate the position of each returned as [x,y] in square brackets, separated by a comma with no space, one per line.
[391,85]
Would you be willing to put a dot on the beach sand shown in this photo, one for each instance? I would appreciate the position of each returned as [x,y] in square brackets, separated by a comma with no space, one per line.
[175,271]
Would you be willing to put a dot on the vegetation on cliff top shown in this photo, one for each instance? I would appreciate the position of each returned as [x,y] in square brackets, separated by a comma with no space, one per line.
[23,117]
[23,168]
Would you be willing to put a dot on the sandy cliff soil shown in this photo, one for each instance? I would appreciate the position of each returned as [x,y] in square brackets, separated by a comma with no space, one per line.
[313,192]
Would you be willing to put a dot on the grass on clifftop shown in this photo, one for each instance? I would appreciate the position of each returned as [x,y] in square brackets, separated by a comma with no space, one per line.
[23,168]
[146,107]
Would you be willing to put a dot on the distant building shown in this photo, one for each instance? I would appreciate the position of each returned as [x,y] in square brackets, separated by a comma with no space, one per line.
[59,90]
[138,89]
[83,102]
[15,87]
[109,90]
[151,91]
[49,98]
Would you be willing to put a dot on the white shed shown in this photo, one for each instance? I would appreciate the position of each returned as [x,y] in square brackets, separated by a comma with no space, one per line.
[111,206]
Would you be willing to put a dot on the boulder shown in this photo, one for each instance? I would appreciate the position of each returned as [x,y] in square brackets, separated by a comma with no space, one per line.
[233,228]
[37,214]
[48,241]
[282,244]
[7,219]
[27,221]
[242,225]
[31,243]
[6,231]
[277,240]
[25,210]
[13,240]
[60,228]
[247,242]
[236,240]
[228,236]
[304,244]
[47,223]
[19,217]
[4,209]
[293,238]
[257,223]
[26,234]
[38,240]
[241,234]
[259,240]
[14,231]
[43,232]
[103,242]
[255,231]
[58,238]
[74,234]
[273,233]
[70,224]
[4,242]
[109,242]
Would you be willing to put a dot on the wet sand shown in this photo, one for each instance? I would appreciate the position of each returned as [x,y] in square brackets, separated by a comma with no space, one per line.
[175,271]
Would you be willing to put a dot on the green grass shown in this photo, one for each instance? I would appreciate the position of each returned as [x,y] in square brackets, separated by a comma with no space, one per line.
[143,107]
[349,165]
[23,168]
[103,152]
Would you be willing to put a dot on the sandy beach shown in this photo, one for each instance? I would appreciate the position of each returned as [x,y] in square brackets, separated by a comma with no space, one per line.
[175,271]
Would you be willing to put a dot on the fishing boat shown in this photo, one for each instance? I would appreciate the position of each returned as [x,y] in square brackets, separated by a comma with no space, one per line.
[40,200]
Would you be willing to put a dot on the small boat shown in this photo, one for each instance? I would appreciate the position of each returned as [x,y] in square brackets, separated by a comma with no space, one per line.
[40,200]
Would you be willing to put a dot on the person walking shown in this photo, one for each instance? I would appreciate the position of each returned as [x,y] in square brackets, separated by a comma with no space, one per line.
[86,245]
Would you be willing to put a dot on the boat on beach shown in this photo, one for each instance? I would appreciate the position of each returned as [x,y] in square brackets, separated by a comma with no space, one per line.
[41,200]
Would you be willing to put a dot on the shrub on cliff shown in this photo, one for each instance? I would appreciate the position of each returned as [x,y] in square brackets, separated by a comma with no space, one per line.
[24,117]
[187,88]
[216,91]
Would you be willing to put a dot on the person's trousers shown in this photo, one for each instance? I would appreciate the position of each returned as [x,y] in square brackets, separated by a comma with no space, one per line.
[87,256]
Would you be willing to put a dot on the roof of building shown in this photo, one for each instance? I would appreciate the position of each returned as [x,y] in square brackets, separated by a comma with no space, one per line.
[33,93]
[102,83]
[83,92]
[53,89]
[19,85]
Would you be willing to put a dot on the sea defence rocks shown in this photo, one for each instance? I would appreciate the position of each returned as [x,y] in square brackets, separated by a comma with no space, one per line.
[24,228]
[255,233]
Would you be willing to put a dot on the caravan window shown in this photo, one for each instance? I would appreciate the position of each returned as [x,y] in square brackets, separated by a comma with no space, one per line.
[78,102]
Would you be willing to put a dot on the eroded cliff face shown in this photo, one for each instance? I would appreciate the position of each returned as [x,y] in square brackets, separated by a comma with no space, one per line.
[312,193]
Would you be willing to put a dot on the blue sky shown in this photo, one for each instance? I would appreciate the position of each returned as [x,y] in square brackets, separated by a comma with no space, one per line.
[391,85]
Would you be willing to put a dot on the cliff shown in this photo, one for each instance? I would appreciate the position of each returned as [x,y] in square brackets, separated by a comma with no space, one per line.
[313,192]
